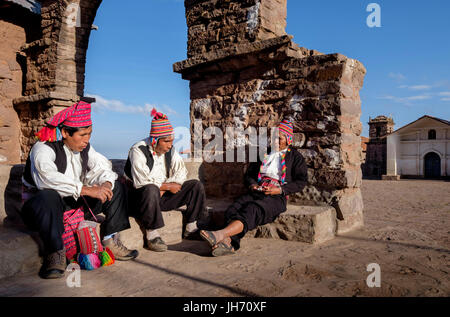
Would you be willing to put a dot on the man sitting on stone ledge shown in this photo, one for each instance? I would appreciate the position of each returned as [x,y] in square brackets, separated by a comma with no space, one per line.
[58,174]
[159,181]
[280,174]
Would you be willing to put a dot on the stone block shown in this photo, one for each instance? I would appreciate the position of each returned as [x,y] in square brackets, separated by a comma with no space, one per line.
[195,170]
[349,210]
[390,177]
[342,178]
[309,224]
[5,72]
[273,17]
[19,253]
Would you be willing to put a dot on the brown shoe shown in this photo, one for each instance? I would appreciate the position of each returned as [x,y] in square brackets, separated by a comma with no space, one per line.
[120,252]
[54,265]
[157,245]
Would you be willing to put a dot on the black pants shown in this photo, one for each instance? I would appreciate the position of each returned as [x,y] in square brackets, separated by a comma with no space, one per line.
[44,213]
[253,210]
[147,203]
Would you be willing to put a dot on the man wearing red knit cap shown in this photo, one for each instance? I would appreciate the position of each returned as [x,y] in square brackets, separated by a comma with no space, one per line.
[64,172]
[159,181]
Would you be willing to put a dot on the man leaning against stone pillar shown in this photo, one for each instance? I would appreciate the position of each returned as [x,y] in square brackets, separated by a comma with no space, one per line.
[64,172]
[158,174]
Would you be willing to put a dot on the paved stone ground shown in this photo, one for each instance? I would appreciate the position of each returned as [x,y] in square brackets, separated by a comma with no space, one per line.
[406,233]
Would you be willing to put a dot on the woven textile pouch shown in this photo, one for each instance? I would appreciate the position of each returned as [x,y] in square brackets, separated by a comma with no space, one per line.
[88,238]
[71,220]
[92,254]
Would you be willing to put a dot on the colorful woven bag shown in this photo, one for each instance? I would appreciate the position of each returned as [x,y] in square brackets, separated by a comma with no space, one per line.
[71,220]
[88,238]
[92,254]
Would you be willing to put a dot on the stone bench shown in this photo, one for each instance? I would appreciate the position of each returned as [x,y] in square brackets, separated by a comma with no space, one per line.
[309,224]
[19,252]
[19,248]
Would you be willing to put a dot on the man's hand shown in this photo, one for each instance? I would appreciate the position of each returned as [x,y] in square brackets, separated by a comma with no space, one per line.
[254,187]
[107,185]
[171,187]
[272,190]
[102,193]
[174,188]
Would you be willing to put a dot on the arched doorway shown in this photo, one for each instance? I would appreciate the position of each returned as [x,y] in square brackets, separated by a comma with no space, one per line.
[432,163]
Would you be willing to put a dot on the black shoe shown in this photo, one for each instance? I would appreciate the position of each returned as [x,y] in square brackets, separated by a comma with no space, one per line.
[51,274]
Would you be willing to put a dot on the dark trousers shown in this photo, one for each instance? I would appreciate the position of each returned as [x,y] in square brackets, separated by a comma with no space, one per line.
[44,213]
[253,210]
[147,203]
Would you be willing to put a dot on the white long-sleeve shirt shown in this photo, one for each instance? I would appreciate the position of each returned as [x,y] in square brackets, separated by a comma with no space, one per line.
[272,166]
[142,175]
[46,176]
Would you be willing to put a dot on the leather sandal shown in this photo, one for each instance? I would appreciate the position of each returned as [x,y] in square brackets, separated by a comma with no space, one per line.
[223,249]
[209,237]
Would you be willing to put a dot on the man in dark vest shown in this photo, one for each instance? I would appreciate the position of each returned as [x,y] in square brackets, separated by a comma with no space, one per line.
[283,172]
[159,181]
[64,172]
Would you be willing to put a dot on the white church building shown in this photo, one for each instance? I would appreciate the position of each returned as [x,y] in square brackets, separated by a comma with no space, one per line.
[419,149]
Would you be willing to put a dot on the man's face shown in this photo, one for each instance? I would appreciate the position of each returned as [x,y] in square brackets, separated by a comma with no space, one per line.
[79,140]
[282,141]
[164,144]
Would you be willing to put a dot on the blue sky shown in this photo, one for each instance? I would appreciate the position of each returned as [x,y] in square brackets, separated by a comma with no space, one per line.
[130,57]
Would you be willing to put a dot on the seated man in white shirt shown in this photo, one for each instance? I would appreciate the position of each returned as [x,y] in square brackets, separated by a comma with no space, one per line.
[67,174]
[159,181]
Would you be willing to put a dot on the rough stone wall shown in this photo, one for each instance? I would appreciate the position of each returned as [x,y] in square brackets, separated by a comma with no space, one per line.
[56,61]
[11,38]
[17,26]
[55,64]
[214,25]
[261,80]
[244,71]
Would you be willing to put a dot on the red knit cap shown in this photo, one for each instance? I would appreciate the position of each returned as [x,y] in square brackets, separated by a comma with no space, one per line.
[76,116]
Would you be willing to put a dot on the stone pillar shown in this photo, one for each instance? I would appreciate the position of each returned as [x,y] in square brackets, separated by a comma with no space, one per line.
[393,157]
[11,38]
[18,25]
[245,72]
[55,64]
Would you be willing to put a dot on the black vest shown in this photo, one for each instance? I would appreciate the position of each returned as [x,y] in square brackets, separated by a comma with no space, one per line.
[150,161]
[60,160]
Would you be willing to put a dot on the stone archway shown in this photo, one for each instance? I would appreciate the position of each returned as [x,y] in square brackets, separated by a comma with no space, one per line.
[55,65]
[244,70]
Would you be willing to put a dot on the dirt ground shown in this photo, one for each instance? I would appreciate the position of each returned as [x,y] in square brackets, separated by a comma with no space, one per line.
[406,232]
